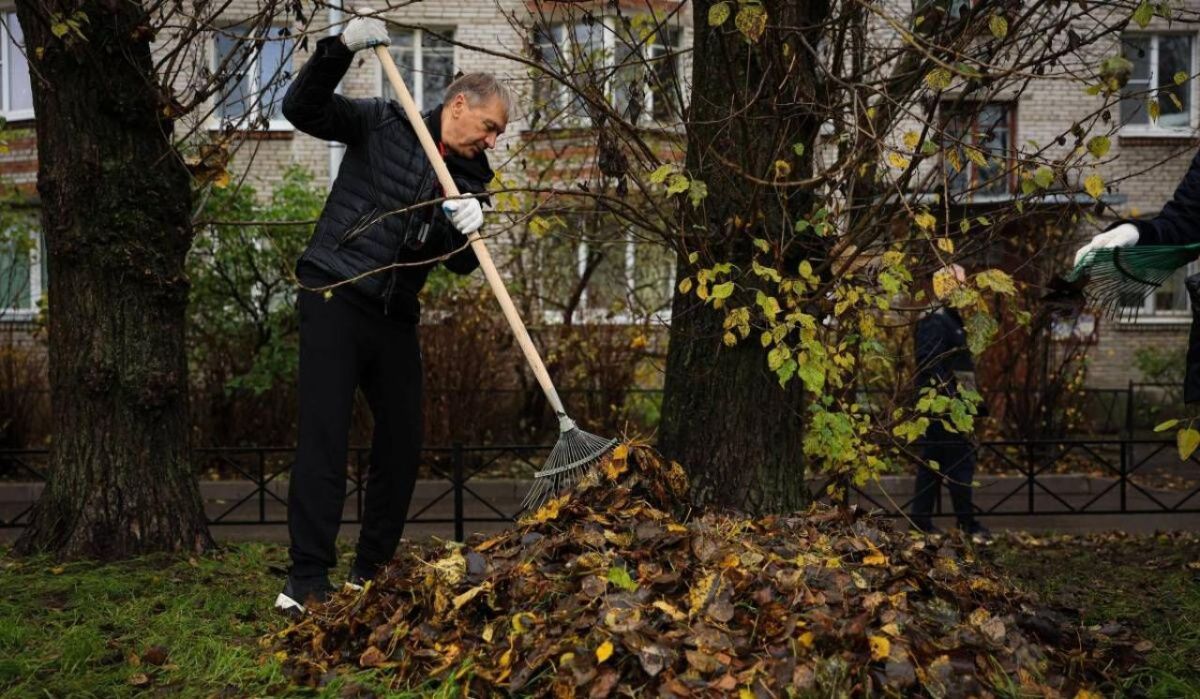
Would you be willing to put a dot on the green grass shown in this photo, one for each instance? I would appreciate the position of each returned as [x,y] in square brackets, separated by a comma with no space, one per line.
[1144,583]
[80,630]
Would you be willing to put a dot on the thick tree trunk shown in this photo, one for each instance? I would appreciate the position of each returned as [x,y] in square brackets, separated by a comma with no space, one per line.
[725,416]
[115,216]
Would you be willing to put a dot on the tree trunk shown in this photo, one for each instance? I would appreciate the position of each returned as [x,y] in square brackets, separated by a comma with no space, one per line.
[115,215]
[725,416]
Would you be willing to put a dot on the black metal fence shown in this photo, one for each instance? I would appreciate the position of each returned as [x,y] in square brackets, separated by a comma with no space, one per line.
[468,485]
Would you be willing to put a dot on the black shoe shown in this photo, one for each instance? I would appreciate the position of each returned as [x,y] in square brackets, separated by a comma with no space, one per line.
[298,593]
[360,575]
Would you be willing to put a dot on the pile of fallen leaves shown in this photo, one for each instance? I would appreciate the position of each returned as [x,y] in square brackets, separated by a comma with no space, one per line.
[610,590]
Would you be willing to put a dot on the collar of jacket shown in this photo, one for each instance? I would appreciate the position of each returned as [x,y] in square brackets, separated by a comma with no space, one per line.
[476,168]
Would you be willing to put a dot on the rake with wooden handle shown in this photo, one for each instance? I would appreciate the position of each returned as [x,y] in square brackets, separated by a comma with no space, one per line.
[575,450]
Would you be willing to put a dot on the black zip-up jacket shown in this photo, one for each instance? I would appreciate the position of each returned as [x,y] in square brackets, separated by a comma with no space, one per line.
[384,171]
[942,355]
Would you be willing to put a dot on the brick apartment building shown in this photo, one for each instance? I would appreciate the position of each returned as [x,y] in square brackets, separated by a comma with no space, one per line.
[429,62]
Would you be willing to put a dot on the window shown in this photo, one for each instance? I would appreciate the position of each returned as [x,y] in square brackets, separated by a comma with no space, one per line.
[22,273]
[1157,60]
[16,96]
[635,65]
[628,279]
[258,70]
[1169,300]
[426,63]
[647,67]
[973,130]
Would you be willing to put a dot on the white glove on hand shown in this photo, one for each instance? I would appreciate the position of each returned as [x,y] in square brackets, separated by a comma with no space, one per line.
[1122,236]
[364,32]
[465,214]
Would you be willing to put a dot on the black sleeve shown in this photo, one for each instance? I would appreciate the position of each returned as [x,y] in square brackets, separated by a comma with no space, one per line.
[929,354]
[1179,221]
[311,104]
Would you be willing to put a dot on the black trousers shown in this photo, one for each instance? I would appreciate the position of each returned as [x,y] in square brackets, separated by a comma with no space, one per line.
[346,345]
[956,466]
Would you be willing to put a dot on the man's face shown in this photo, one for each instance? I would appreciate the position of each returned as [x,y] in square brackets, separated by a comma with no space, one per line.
[469,130]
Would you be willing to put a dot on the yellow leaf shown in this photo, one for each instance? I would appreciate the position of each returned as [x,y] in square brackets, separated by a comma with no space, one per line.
[506,659]
[1088,694]
[469,595]
[897,161]
[489,632]
[1094,185]
[875,559]
[670,610]
[782,169]
[744,693]
[717,14]
[926,220]
[806,639]
[604,652]
[911,139]
[452,568]
[999,26]
[891,629]
[880,647]
[700,593]
[57,570]
[751,21]
[938,79]
[523,621]
[1187,440]
[549,511]
[946,245]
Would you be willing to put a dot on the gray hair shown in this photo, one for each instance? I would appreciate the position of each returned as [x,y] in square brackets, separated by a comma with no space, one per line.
[479,88]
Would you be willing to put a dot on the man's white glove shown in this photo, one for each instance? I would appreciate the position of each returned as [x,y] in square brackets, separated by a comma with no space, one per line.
[465,214]
[1122,236]
[364,32]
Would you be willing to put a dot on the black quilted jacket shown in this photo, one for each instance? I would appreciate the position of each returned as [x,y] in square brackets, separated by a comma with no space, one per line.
[364,225]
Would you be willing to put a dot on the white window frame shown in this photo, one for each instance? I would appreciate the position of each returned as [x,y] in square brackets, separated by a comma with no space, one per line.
[1153,128]
[217,119]
[601,316]
[1149,314]
[6,49]
[559,35]
[37,285]
[417,89]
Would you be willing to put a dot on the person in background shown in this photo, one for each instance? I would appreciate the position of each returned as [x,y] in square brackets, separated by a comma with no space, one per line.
[944,362]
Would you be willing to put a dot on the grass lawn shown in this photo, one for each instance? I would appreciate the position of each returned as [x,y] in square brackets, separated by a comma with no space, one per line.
[1149,584]
[161,626]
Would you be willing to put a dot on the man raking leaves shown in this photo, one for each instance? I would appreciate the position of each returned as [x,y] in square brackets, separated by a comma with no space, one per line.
[377,239]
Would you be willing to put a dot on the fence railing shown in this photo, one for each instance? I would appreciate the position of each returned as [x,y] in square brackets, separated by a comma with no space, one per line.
[466,485]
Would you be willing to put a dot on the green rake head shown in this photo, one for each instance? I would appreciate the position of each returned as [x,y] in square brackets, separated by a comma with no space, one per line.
[1116,280]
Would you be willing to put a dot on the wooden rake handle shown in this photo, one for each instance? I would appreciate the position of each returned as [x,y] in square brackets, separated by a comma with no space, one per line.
[477,244]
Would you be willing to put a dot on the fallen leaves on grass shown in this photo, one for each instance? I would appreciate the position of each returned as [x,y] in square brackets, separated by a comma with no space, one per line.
[610,590]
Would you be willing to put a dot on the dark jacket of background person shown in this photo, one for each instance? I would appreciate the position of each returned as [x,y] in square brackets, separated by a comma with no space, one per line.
[944,360]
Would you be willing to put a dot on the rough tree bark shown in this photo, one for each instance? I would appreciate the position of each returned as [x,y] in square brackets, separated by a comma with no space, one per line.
[724,414]
[115,216]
